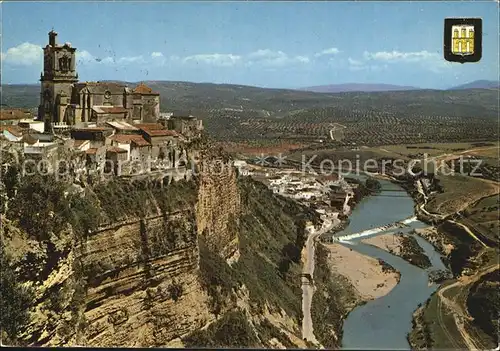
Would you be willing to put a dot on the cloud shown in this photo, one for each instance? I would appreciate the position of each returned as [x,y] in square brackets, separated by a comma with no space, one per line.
[29,54]
[267,57]
[304,59]
[130,59]
[369,68]
[83,57]
[353,62]
[25,54]
[428,60]
[327,52]
[222,60]
[397,56]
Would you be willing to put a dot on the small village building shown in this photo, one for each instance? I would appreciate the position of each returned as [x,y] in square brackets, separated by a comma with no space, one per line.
[96,157]
[137,148]
[116,157]
[185,124]
[103,114]
[12,133]
[96,135]
[38,126]
[81,145]
[121,127]
[13,116]
[163,141]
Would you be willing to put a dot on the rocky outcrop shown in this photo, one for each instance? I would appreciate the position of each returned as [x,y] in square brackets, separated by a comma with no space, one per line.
[136,280]
[130,284]
[218,207]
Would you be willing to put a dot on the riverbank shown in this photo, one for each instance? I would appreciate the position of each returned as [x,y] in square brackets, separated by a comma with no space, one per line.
[333,295]
[441,243]
[401,245]
[366,274]
[307,280]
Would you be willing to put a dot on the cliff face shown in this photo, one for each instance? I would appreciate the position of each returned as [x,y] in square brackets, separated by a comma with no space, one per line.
[218,206]
[161,265]
[133,282]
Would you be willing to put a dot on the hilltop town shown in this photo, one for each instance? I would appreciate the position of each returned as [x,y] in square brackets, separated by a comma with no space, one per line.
[274,251]
[102,127]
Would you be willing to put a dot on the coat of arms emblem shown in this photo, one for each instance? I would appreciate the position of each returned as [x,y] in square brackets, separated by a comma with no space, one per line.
[463,39]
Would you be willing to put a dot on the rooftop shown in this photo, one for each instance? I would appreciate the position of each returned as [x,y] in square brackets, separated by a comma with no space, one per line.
[150,126]
[120,125]
[12,129]
[9,114]
[79,143]
[116,149]
[129,138]
[144,89]
[92,129]
[160,132]
[29,139]
[101,87]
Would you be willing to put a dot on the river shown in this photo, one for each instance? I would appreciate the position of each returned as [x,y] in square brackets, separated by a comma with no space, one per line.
[384,323]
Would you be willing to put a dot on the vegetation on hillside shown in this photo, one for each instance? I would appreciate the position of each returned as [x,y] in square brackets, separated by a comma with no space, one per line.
[271,236]
[332,300]
[15,301]
[483,304]
[243,113]
[232,330]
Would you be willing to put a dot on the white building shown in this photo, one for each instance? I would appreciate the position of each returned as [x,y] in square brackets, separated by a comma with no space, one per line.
[39,126]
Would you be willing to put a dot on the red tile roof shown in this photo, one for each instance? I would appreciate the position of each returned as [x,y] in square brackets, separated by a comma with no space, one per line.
[152,126]
[140,142]
[8,114]
[13,129]
[160,132]
[116,149]
[91,151]
[144,89]
[129,138]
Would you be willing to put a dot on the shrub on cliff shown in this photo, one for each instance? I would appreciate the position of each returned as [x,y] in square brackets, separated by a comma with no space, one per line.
[40,206]
[14,302]
[232,330]
[43,205]
[483,304]
[216,277]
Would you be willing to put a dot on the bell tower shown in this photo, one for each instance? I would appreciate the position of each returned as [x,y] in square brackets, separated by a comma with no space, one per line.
[59,75]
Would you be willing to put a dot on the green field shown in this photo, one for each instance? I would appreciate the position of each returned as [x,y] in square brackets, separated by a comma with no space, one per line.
[483,217]
[458,193]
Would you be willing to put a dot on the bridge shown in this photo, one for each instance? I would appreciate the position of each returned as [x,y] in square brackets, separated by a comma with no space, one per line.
[399,224]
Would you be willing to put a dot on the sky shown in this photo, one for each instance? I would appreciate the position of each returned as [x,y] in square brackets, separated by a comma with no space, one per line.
[266,44]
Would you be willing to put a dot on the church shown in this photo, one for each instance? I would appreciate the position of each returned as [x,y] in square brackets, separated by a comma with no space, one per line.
[65,101]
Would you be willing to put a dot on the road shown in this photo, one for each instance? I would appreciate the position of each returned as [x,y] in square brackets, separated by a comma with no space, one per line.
[308,287]
[460,315]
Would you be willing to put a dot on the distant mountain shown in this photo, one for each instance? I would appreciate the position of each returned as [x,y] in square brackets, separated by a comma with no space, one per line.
[478,84]
[357,87]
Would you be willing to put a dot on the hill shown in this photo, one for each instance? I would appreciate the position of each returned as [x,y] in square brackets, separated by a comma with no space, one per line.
[243,113]
[357,87]
[478,84]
